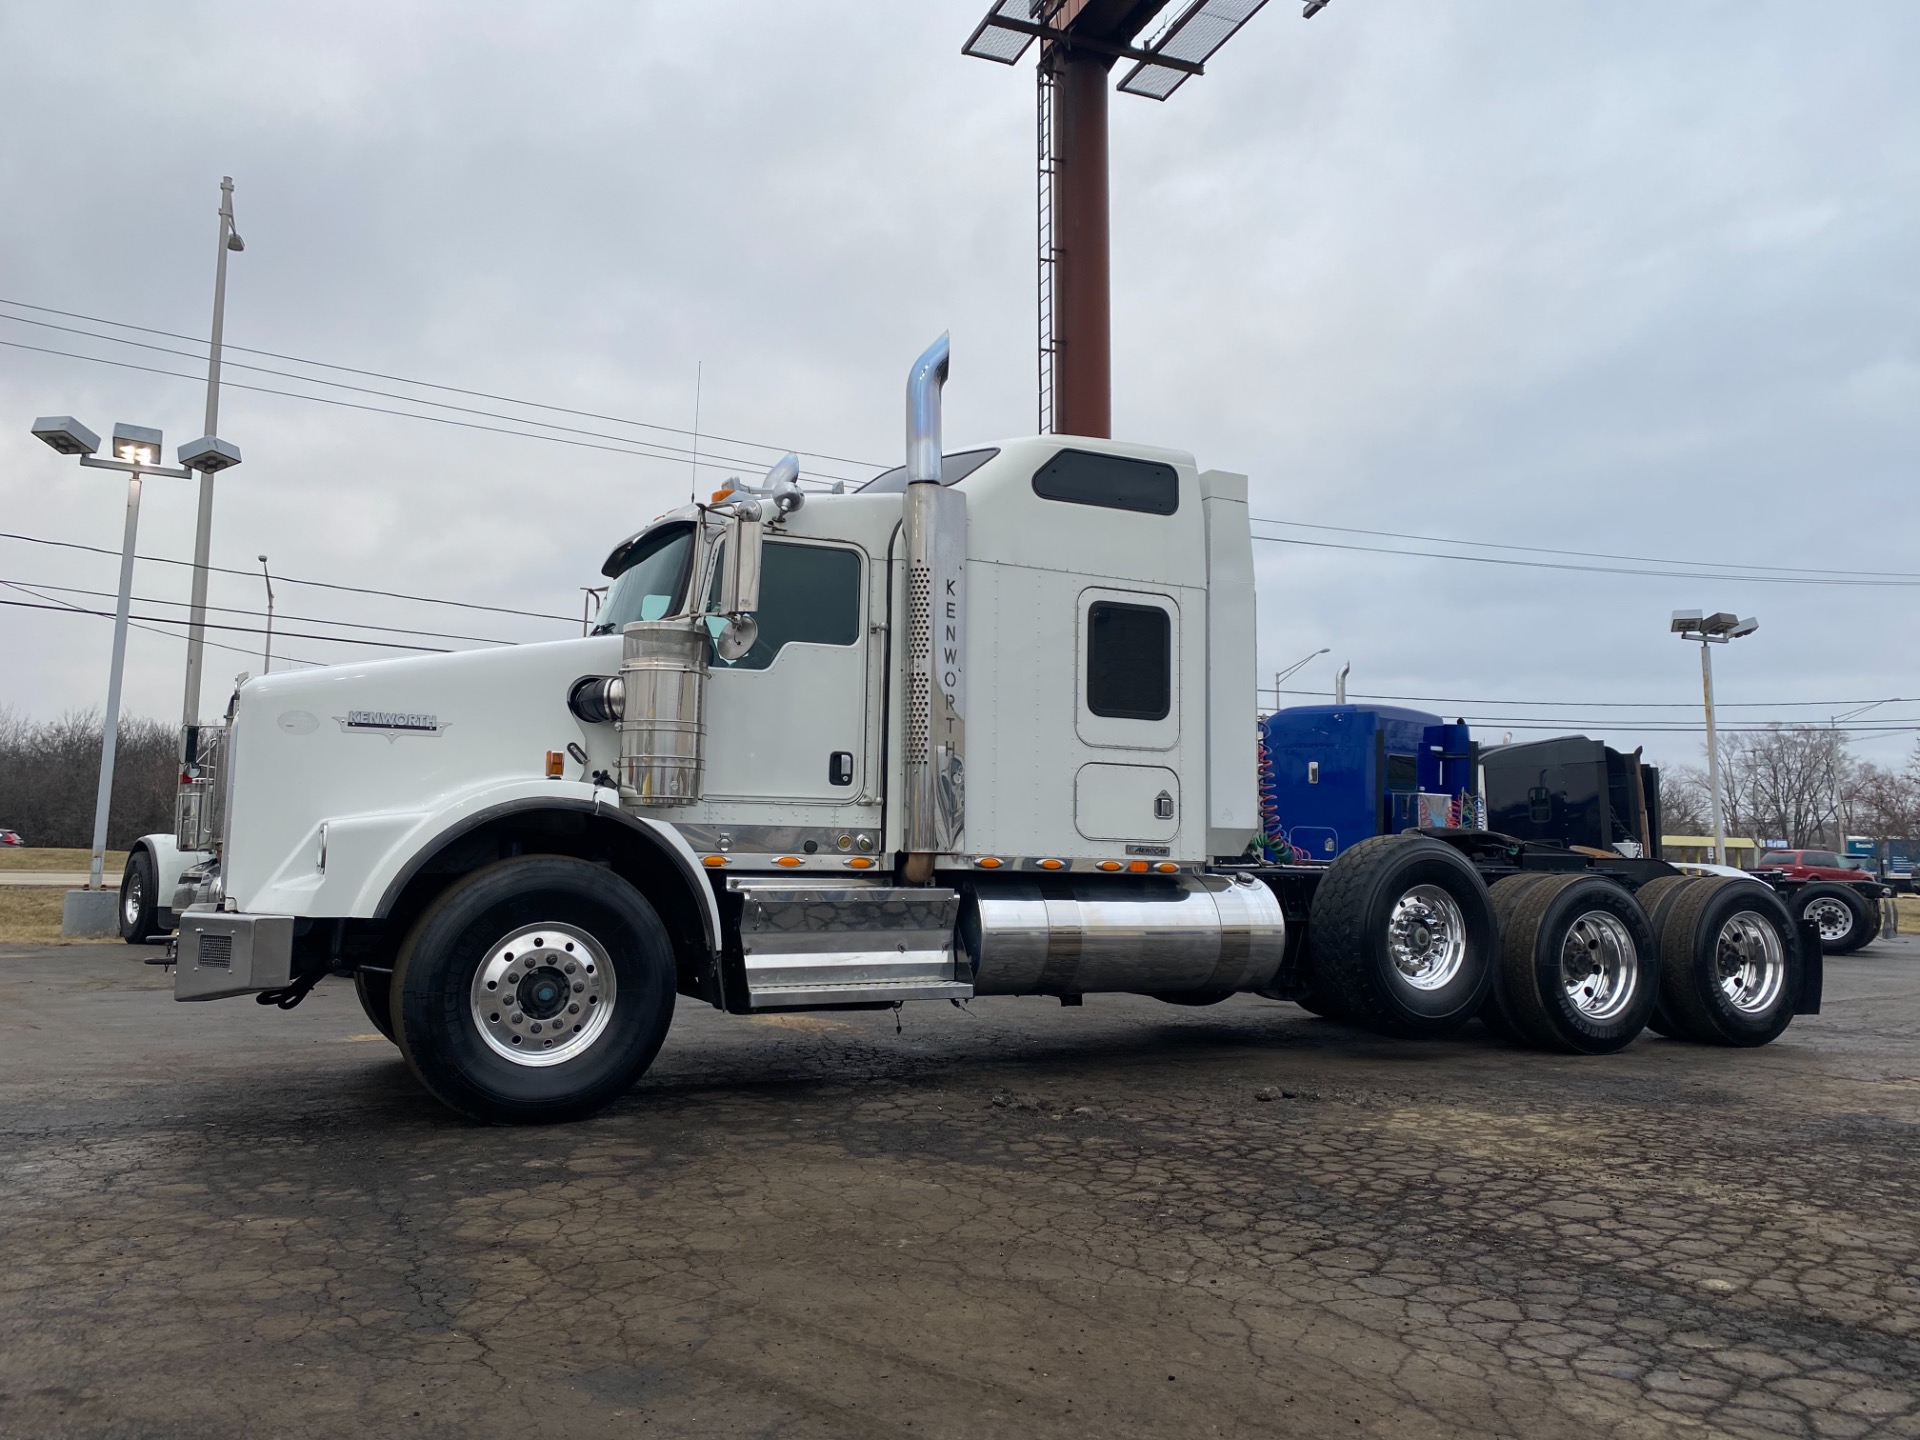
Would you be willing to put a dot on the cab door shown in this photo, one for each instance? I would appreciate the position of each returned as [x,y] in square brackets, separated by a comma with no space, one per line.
[788,721]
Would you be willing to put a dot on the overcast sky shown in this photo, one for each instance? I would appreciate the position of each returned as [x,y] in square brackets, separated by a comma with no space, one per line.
[1634,277]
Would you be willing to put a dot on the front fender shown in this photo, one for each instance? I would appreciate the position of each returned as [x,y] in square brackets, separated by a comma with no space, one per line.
[356,866]
[169,863]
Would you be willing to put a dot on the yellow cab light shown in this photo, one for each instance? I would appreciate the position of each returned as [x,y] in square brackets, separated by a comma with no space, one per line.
[713,862]
[988,862]
[1052,864]
[1109,865]
[719,496]
[788,860]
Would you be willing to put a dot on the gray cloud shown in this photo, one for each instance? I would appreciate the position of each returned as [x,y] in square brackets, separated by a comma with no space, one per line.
[1625,277]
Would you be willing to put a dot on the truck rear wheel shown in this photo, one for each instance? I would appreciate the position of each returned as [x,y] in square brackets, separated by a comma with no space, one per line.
[1731,963]
[1656,897]
[1403,936]
[1580,970]
[1505,894]
[1846,921]
[537,989]
[375,990]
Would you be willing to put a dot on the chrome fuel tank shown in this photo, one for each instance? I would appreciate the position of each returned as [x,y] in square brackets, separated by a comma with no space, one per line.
[1079,934]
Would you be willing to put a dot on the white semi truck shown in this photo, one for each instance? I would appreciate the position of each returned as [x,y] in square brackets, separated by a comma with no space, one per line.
[983,727]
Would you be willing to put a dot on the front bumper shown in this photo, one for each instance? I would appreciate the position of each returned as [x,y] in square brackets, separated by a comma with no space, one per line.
[223,954]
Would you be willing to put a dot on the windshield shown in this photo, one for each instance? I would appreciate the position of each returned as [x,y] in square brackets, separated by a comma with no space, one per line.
[655,577]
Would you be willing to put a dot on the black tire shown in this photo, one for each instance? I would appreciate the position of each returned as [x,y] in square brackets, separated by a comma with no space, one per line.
[1579,967]
[139,904]
[598,980]
[1845,918]
[1505,894]
[1193,998]
[375,990]
[1730,963]
[1437,979]
[1656,897]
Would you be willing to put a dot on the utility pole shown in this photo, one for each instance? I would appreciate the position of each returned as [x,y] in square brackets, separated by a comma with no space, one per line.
[203,532]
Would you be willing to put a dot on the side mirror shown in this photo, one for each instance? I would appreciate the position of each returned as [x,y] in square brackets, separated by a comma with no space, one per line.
[740,585]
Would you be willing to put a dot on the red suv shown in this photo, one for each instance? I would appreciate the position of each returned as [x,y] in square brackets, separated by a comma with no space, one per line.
[1811,865]
[1836,892]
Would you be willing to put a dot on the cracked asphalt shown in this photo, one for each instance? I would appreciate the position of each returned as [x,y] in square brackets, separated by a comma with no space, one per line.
[1128,1219]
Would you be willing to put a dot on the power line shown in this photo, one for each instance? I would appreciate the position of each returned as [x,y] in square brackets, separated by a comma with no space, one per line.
[657,450]
[242,629]
[249,610]
[1585,554]
[1750,579]
[1454,700]
[622,449]
[293,580]
[407,380]
[62,605]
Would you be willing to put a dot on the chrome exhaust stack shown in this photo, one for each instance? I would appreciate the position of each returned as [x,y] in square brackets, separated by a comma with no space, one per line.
[936,543]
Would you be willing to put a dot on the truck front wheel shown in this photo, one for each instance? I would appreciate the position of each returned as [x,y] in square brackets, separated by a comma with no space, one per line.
[1402,935]
[537,989]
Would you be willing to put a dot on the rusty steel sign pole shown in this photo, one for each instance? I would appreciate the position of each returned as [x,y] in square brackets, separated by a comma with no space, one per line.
[1079,42]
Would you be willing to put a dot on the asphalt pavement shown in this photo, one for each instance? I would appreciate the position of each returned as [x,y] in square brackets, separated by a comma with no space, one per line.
[1014,1219]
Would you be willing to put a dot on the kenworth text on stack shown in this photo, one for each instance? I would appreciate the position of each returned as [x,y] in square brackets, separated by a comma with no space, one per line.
[982,727]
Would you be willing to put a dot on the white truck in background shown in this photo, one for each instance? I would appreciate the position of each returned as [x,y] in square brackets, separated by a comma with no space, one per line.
[983,727]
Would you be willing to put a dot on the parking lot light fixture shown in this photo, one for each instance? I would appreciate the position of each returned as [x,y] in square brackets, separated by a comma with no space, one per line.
[136,451]
[1715,629]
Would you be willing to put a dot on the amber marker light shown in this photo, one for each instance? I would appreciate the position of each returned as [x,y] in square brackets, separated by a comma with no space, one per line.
[1053,864]
[789,861]
[713,862]
[556,764]
[858,862]
[1166,867]
[1139,867]
[988,862]
[1109,865]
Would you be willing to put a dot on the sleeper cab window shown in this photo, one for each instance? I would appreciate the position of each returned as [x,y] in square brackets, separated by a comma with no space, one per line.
[1129,661]
[1114,482]
[809,595]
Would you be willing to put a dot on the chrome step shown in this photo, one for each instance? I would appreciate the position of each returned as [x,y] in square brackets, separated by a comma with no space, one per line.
[824,942]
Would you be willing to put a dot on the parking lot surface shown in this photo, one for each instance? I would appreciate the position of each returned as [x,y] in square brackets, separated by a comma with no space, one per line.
[1127,1219]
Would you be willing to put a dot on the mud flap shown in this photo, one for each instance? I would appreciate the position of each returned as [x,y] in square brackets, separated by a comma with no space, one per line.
[1812,969]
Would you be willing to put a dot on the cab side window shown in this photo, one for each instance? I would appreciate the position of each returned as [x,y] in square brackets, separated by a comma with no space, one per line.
[809,595]
[1129,661]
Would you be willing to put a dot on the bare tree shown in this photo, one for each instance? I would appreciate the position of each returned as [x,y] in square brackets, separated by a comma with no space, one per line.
[50,772]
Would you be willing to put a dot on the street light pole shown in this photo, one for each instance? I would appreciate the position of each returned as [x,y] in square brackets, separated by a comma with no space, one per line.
[1280,677]
[1713,755]
[266,660]
[1715,629]
[203,531]
[110,734]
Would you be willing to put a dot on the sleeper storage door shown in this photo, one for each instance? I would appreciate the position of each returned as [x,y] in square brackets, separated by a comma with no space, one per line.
[788,720]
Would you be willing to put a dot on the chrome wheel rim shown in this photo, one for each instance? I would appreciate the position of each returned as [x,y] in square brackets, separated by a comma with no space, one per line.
[1427,937]
[543,995]
[1599,966]
[1832,915]
[130,899]
[1750,963]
